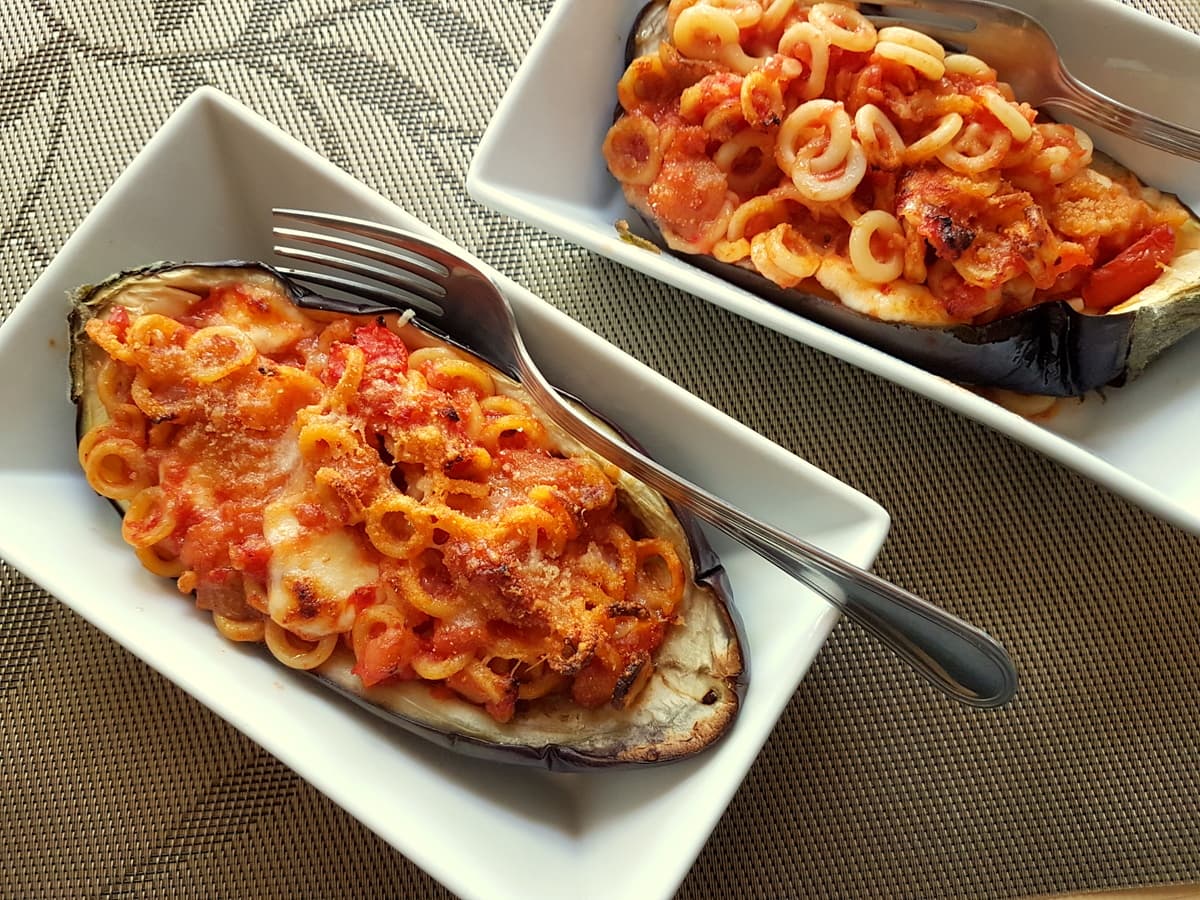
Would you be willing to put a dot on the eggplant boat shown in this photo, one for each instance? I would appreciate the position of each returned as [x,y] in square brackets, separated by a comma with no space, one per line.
[871,181]
[393,515]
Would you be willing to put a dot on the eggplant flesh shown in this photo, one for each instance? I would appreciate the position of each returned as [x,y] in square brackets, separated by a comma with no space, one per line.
[1050,349]
[700,673]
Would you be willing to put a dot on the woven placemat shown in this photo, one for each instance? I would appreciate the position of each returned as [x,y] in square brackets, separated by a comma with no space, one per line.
[114,783]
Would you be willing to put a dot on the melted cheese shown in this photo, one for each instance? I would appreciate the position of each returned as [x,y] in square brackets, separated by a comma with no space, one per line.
[900,301]
[313,575]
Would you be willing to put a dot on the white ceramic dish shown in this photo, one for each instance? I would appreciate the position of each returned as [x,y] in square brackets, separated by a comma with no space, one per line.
[1137,441]
[484,829]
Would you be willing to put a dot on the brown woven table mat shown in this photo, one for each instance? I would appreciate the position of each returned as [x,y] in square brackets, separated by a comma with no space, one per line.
[115,783]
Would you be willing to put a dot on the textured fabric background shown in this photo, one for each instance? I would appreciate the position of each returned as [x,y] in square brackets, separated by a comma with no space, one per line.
[113,783]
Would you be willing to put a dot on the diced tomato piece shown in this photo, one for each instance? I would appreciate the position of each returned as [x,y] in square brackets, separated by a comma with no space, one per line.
[119,320]
[450,640]
[1134,268]
[364,597]
[387,655]
[382,348]
[335,367]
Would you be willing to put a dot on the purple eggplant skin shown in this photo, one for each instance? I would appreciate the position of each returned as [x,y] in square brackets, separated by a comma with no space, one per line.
[1049,349]
[704,657]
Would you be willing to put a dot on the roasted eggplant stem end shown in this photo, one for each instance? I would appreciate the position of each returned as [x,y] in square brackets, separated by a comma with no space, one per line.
[699,679]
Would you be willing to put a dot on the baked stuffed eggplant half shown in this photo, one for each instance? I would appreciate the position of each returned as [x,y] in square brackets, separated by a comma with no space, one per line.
[394,516]
[881,186]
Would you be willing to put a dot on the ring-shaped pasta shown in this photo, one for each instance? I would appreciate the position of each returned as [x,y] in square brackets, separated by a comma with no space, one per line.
[482,685]
[217,351]
[344,392]
[747,159]
[160,434]
[256,596]
[336,332]
[804,42]
[761,98]
[470,417]
[862,247]
[699,99]
[727,251]
[656,558]
[113,383]
[746,13]
[611,560]
[633,149]
[827,187]
[965,64]
[914,254]
[150,518]
[843,26]
[541,681]
[499,432]
[150,333]
[443,486]
[104,335]
[372,623]
[398,526]
[156,399]
[295,652]
[756,215]
[646,80]
[784,256]
[323,438]
[898,34]
[817,135]
[535,526]
[879,138]
[502,405]
[710,234]
[1009,116]
[774,14]
[115,467]
[409,584]
[706,32]
[1066,151]
[918,60]
[724,120]
[127,419]
[475,462]
[432,668]
[249,632]
[928,145]
[976,149]
[153,560]
[450,374]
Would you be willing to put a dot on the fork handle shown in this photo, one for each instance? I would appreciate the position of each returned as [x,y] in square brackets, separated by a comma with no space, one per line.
[957,658]
[1081,100]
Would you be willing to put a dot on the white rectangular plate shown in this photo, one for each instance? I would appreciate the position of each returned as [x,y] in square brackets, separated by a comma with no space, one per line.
[203,189]
[1136,440]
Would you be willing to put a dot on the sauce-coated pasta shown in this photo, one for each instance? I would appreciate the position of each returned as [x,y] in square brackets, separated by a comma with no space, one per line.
[778,136]
[319,481]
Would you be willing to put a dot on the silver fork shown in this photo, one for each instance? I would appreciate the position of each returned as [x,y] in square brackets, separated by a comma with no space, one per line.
[454,298]
[1025,55]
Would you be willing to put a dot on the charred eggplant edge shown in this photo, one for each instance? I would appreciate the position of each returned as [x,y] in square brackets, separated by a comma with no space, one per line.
[634,742]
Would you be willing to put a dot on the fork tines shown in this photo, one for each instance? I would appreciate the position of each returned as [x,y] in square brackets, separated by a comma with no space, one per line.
[411,279]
